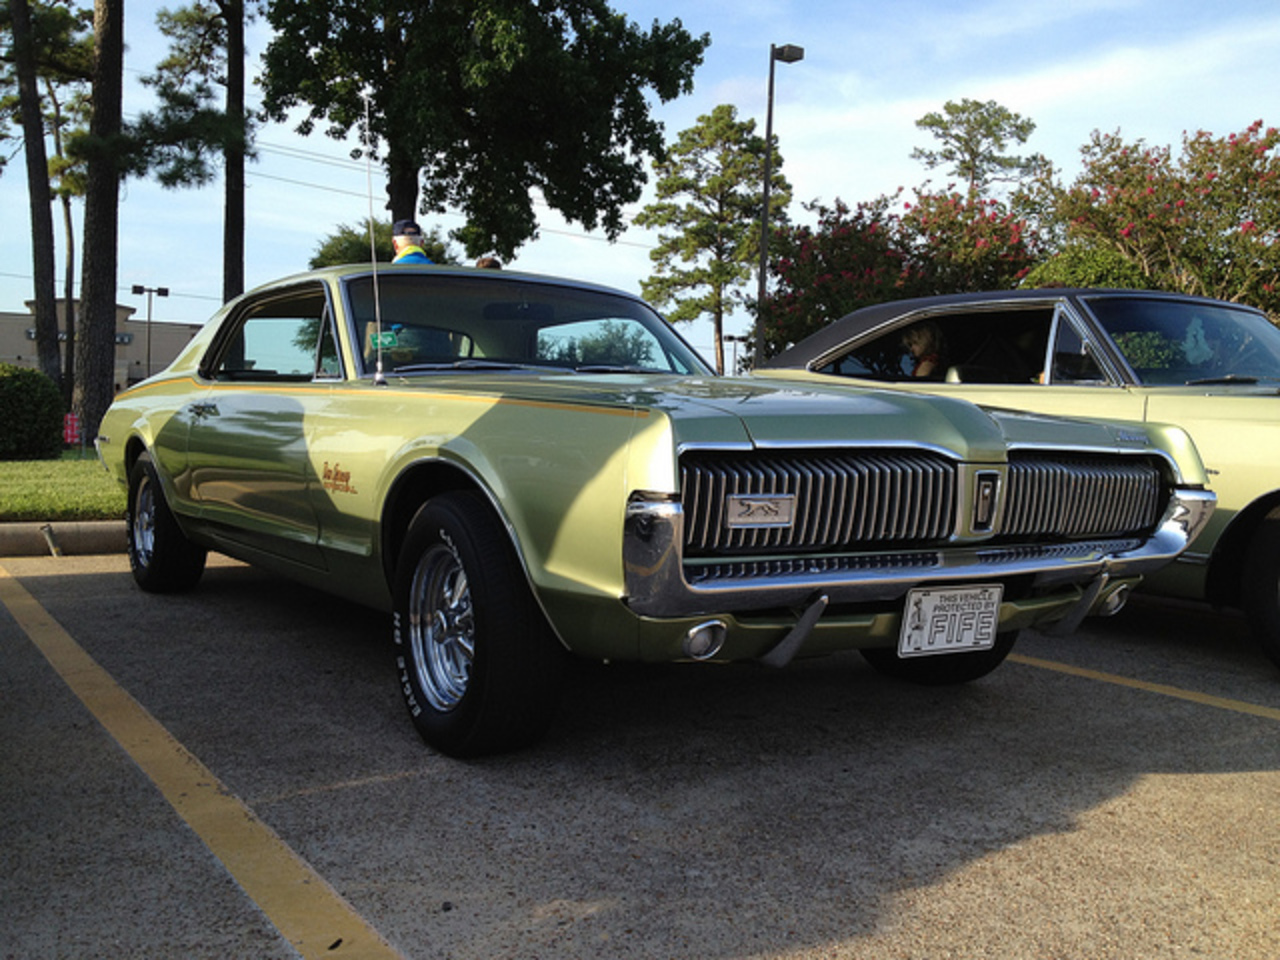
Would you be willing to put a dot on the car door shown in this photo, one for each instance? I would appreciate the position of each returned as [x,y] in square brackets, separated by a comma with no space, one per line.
[1075,378]
[250,476]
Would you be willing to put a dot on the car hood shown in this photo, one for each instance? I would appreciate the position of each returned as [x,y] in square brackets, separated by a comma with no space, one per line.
[775,414]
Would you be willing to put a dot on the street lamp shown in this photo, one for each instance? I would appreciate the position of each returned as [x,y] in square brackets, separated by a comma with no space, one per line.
[787,53]
[139,289]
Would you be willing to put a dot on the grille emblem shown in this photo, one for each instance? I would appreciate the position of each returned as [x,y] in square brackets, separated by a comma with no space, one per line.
[763,512]
[985,489]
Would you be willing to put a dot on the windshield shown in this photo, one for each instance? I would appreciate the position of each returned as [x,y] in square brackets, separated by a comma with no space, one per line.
[446,322]
[1183,341]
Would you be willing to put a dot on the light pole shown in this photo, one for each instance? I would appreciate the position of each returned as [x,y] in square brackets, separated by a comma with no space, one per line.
[139,289]
[787,53]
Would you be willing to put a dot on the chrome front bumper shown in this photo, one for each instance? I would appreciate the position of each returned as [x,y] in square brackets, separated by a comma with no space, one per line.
[660,584]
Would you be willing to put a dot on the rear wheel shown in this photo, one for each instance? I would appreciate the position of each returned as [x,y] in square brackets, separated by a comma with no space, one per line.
[1260,587]
[942,669]
[163,560]
[479,667]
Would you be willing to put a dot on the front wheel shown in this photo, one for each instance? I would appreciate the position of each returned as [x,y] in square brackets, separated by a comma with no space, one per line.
[479,667]
[161,557]
[941,669]
[1260,587]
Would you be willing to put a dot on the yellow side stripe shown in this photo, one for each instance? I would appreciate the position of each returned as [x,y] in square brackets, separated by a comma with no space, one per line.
[1205,699]
[301,904]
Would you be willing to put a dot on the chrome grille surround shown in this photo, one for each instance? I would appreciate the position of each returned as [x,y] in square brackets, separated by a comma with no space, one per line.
[1071,496]
[839,499]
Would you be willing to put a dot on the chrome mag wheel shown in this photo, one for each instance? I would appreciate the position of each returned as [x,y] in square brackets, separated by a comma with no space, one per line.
[442,628]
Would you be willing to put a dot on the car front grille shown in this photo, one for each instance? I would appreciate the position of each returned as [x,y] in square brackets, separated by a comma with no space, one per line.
[1085,496]
[850,501]
[836,500]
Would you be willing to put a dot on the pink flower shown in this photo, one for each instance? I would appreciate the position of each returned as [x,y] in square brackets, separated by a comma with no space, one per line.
[1248,226]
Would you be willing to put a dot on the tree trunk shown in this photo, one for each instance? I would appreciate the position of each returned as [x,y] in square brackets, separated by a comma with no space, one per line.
[69,302]
[233,155]
[38,193]
[95,360]
[402,185]
[69,261]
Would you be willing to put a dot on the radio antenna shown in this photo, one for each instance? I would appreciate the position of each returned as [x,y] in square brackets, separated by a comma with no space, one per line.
[378,377]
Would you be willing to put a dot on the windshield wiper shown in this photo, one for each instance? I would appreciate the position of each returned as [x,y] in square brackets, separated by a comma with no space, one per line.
[465,364]
[612,368]
[1229,378]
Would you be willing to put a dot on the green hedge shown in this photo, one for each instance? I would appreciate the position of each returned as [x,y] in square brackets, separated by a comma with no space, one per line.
[30,415]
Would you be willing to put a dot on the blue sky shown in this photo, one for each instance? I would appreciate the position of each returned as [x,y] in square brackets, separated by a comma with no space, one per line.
[845,118]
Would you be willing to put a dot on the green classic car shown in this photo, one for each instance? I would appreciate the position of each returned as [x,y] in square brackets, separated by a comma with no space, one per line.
[517,466]
[1211,367]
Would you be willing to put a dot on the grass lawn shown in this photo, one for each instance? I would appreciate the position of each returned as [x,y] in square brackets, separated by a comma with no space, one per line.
[73,488]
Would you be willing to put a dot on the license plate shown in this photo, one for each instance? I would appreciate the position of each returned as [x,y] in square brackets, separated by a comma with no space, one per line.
[950,620]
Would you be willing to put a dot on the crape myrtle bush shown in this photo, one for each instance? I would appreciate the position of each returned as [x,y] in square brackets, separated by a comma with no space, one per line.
[30,415]
[857,256]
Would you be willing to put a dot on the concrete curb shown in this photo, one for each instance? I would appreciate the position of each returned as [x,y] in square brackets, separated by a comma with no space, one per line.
[61,538]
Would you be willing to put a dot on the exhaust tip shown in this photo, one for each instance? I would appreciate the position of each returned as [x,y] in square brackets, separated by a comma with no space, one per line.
[705,640]
[1114,602]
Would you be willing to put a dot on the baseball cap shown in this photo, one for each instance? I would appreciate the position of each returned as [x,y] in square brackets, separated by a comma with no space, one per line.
[406,228]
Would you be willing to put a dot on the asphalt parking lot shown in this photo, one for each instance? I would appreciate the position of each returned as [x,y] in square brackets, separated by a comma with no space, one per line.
[230,773]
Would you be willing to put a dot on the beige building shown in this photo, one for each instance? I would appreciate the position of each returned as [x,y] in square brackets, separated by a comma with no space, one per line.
[141,348]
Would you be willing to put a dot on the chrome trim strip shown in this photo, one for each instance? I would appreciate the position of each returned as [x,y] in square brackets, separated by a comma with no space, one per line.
[832,444]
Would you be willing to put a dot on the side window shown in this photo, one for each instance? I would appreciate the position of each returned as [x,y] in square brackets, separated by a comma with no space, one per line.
[287,338]
[1004,345]
[1073,360]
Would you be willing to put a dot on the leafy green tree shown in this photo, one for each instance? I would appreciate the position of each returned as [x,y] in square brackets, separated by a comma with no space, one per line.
[22,55]
[890,249]
[1086,265]
[1206,222]
[974,138]
[850,258]
[44,93]
[181,140]
[350,244]
[964,243]
[709,197]
[487,101]
[67,117]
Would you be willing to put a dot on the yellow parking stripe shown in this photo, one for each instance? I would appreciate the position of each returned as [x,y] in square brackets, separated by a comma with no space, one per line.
[308,912]
[1224,703]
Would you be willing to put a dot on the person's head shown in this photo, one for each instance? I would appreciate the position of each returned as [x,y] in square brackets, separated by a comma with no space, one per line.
[406,233]
[923,339]
[489,263]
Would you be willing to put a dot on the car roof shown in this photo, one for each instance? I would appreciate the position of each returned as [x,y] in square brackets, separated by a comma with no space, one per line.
[505,275]
[855,324]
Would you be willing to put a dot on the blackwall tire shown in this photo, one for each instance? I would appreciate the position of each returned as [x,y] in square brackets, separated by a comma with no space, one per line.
[480,670]
[1260,586]
[161,557]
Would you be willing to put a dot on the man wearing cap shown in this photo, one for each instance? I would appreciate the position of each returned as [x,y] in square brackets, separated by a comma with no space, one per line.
[406,237]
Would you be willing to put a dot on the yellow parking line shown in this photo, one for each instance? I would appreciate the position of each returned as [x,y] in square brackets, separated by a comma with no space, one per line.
[1224,703]
[308,912]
